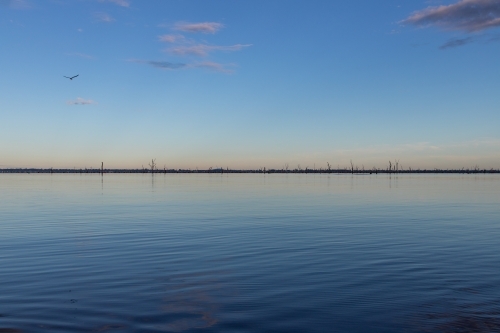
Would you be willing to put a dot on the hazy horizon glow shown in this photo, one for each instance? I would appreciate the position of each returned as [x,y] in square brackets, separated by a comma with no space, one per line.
[247,85]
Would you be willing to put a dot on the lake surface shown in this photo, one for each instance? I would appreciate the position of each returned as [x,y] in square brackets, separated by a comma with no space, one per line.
[249,253]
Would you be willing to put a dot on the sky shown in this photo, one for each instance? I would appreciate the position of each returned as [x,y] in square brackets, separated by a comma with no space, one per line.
[249,84]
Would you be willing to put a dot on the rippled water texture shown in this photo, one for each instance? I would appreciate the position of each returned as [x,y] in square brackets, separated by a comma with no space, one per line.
[249,253]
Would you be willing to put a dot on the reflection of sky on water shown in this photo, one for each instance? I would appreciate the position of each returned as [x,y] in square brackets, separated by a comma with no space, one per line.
[282,253]
[110,327]
[188,304]
[470,318]
[191,311]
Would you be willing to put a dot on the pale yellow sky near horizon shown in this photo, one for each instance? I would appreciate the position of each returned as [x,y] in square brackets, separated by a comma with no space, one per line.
[484,154]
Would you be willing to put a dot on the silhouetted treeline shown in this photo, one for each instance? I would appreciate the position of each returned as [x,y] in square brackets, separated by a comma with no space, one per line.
[262,171]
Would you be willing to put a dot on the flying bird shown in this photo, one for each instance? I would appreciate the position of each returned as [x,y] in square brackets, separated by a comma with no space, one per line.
[71,78]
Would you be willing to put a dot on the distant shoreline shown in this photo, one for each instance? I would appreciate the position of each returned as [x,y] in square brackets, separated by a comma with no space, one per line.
[250,171]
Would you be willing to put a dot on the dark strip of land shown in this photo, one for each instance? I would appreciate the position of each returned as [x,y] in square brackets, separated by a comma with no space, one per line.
[263,171]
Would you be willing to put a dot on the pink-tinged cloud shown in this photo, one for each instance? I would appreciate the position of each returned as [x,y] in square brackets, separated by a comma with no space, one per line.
[203,50]
[213,66]
[203,27]
[171,38]
[465,15]
[123,3]
[81,101]
[103,17]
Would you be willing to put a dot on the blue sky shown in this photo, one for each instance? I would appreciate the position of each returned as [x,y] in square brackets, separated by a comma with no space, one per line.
[248,84]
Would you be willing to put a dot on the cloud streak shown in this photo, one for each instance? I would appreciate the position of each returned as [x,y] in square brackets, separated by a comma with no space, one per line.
[81,101]
[81,55]
[15,4]
[202,27]
[187,47]
[160,64]
[423,147]
[167,65]
[203,50]
[456,42]
[171,38]
[212,66]
[465,15]
[122,3]
[103,17]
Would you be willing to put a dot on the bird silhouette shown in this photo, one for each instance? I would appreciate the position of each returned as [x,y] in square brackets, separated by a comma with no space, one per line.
[71,78]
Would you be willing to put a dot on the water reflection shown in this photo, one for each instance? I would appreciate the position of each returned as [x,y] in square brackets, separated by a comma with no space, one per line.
[461,308]
[461,321]
[279,253]
[189,304]
[109,327]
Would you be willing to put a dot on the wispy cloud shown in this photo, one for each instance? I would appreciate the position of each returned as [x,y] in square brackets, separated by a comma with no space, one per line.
[494,38]
[483,151]
[81,55]
[209,65]
[183,47]
[171,38]
[81,101]
[103,17]
[455,42]
[213,66]
[424,147]
[393,149]
[203,50]
[202,27]
[160,64]
[15,4]
[465,15]
[123,3]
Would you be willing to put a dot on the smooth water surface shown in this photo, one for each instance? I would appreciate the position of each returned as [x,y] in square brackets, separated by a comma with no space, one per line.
[249,253]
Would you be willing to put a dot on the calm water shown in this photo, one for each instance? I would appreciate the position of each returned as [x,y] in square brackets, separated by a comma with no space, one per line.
[249,253]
